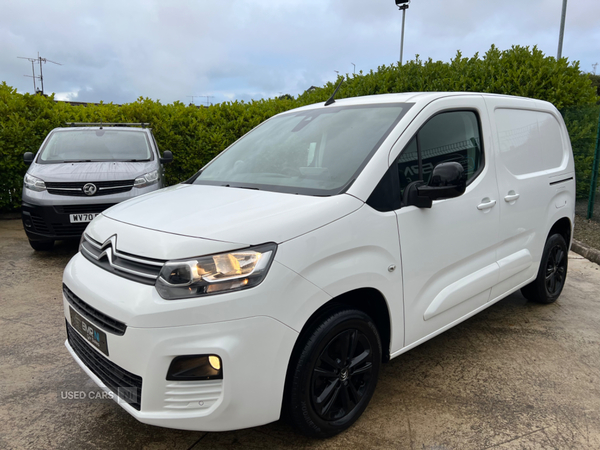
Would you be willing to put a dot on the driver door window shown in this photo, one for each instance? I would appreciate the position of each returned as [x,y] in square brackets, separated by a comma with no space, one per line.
[446,137]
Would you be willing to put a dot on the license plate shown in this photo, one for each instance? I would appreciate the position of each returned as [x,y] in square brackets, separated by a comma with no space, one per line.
[89,331]
[82,218]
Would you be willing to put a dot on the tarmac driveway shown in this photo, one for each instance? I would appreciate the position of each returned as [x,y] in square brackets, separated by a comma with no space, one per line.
[518,375]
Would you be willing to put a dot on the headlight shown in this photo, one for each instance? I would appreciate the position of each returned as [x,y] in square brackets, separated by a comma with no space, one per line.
[34,183]
[147,179]
[232,271]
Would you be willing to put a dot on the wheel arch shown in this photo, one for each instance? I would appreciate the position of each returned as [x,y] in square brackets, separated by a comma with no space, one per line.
[564,227]
[368,300]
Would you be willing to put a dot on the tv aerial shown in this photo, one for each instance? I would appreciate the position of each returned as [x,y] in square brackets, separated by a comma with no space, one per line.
[40,77]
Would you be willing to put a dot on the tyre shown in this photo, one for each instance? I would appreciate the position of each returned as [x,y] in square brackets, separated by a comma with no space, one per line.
[552,274]
[334,373]
[41,246]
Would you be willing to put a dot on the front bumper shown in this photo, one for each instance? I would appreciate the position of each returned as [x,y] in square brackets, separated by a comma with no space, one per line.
[245,329]
[53,222]
[254,353]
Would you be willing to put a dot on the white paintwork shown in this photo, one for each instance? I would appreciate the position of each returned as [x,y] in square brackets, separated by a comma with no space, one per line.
[229,214]
[433,267]
[445,248]
[532,149]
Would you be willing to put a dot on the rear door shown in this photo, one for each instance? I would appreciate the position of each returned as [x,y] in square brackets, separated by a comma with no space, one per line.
[448,251]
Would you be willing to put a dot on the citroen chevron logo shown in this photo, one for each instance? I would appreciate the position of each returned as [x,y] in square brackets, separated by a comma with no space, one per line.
[108,247]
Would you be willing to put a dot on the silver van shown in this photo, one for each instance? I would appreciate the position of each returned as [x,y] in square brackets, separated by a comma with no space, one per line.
[82,170]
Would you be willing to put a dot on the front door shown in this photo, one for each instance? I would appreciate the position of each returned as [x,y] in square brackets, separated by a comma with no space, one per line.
[448,251]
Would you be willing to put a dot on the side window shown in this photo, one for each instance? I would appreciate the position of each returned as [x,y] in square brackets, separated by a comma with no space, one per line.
[446,137]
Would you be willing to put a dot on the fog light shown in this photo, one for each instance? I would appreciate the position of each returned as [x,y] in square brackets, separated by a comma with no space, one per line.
[215,362]
[195,367]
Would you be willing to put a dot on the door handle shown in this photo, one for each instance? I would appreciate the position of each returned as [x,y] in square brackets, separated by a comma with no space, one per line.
[487,204]
[511,197]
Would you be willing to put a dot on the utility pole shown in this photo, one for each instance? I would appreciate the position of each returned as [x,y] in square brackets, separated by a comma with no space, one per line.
[207,97]
[562,29]
[40,60]
[403,6]
[193,96]
[354,67]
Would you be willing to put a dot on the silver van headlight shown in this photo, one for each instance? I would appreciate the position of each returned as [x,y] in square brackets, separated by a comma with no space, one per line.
[225,272]
[34,183]
[146,179]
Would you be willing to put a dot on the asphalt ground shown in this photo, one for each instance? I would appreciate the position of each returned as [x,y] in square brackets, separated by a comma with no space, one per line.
[516,376]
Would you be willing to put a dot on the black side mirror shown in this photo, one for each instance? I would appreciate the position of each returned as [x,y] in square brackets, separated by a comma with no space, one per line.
[167,157]
[411,196]
[448,180]
[28,158]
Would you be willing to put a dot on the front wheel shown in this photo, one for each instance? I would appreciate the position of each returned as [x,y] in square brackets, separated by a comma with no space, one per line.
[335,374]
[552,274]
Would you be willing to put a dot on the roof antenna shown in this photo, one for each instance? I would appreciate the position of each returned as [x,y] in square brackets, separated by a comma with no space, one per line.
[331,99]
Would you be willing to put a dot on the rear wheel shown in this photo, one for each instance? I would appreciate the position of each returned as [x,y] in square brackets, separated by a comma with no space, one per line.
[41,246]
[552,274]
[335,373]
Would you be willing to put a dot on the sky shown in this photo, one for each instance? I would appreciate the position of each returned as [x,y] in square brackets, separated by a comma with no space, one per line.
[211,51]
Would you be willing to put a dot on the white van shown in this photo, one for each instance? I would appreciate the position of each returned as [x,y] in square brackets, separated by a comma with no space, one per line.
[325,242]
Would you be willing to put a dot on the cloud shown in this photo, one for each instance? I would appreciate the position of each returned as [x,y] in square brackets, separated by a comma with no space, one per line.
[119,51]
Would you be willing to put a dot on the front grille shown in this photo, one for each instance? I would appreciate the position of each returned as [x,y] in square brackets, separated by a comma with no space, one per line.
[126,385]
[68,229]
[137,268]
[82,209]
[75,188]
[57,229]
[39,225]
[98,318]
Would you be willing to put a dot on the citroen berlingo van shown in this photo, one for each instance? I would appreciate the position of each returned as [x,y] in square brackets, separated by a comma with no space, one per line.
[81,170]
[325,242]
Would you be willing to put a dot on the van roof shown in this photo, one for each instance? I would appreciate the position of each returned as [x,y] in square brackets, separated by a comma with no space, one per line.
[409,97]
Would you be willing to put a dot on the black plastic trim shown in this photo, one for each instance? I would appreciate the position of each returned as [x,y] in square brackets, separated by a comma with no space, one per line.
[172,375]
[98,318]
[53,222]
[127,385]
[561,181]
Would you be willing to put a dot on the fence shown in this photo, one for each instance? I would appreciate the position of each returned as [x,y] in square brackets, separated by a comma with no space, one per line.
[584,130]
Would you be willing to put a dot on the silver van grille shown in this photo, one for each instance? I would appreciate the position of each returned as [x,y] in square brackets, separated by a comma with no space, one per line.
[76,188]
[133,267]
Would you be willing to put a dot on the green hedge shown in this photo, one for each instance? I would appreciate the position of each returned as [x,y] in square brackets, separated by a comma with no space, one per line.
[196,135]
[582,123]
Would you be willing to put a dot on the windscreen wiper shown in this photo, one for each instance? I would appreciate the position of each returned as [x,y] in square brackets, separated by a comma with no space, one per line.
[241,187]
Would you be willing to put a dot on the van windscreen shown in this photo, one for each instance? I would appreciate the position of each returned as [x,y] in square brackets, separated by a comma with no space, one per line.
[314,152]
[95,146]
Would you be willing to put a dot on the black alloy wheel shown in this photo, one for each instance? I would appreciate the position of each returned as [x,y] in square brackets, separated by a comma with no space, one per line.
[334,373]
[550,281]
[341,374]
[556,270]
